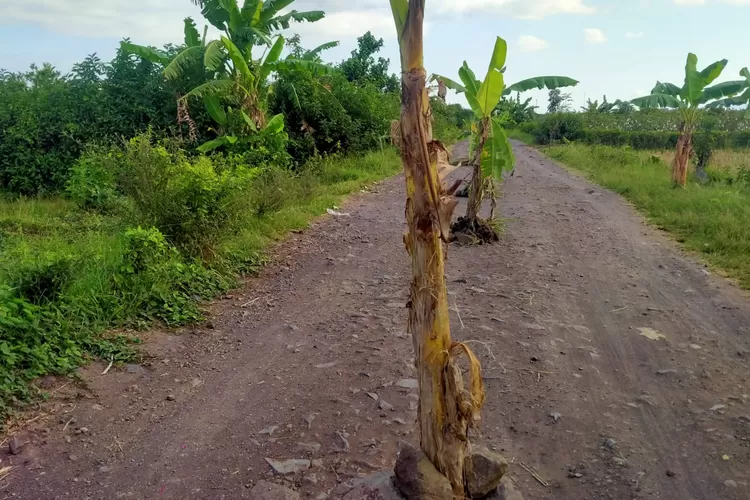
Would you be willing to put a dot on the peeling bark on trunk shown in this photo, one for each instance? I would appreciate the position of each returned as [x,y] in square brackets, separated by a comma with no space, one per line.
[476,193]
[446,408]
[682,156]
[429,322]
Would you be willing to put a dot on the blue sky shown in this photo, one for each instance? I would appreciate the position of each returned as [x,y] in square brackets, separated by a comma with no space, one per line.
[616,47]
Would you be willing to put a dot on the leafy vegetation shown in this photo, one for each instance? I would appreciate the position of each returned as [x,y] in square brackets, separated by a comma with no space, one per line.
[688,99]
[132,191]
[490,146]
[712,219]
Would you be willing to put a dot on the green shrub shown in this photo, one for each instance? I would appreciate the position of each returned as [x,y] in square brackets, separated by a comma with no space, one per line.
[92,180]
[450,122]
[145,248]
[40,278]
[331,114]
[157,285]
[272,190]
[192,201]
[558,127]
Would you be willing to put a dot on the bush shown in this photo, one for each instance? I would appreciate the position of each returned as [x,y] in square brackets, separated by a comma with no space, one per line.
[157,284]
[450,122]
[192,201]
[40,278]
[557,127]
[331,114]
[92,182]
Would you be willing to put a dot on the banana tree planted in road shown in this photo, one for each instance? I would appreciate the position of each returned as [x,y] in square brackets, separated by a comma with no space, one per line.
[490,146]
[447,409]
[689,99]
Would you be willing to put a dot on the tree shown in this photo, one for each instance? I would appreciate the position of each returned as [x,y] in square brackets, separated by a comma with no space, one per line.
[558,102]
[446,408]
[515,111]
[493,153]
[362,68]
[688,99]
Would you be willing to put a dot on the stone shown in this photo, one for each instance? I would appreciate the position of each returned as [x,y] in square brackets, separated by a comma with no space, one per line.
[264,490]
[134,369]
[483,471]
[171,397]
[385,406]
[340,442]
[309,447]
[377,486]
[15,445]
[730,483]
[290,466]
[408,383]
[506,491]
[417,478]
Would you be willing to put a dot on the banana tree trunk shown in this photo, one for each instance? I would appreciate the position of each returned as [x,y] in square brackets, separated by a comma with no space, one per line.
[443,421]
[476,193]
[682,156]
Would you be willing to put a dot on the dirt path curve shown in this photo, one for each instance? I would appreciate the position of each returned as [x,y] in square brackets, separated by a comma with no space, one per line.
[568,311]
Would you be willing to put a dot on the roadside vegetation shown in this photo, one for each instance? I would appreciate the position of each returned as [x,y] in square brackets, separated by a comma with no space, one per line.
[632,151]
[132,191]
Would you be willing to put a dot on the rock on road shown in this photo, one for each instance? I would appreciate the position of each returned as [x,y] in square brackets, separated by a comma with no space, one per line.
[615,366]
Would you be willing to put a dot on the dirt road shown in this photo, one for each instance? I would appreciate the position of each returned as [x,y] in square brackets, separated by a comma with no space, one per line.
[615,366]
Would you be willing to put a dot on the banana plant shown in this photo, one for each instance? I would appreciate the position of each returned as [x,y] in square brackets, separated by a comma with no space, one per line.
[256,21]
[492,151]
[234,98]
[740,100]
[689,99]
[235,92]
[450,399]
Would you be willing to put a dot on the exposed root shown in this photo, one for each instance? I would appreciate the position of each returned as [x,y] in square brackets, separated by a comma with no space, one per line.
[474,231]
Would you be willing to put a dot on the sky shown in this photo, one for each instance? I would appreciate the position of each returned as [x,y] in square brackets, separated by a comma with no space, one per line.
[617,48]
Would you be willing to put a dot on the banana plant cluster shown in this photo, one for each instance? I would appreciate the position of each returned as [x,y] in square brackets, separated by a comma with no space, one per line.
[492,151]
[236,82]
[690,99]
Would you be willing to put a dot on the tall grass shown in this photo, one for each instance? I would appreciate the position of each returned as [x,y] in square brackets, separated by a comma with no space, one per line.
[712,219]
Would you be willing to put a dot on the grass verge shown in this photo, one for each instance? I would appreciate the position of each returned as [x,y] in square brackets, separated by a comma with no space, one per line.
[70,277]
[520,135]
[712,219]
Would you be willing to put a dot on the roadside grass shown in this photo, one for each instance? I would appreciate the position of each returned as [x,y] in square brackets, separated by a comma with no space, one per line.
[520,135]
[712,219]
[66,285]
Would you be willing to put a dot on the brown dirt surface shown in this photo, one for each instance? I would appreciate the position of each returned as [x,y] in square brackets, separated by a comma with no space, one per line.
[616,367]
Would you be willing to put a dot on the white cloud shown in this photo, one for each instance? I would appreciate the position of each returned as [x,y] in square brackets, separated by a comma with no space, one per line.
[631,35]
[144,21]
[594,35]
[523,9]
[160,21]
[529,43]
